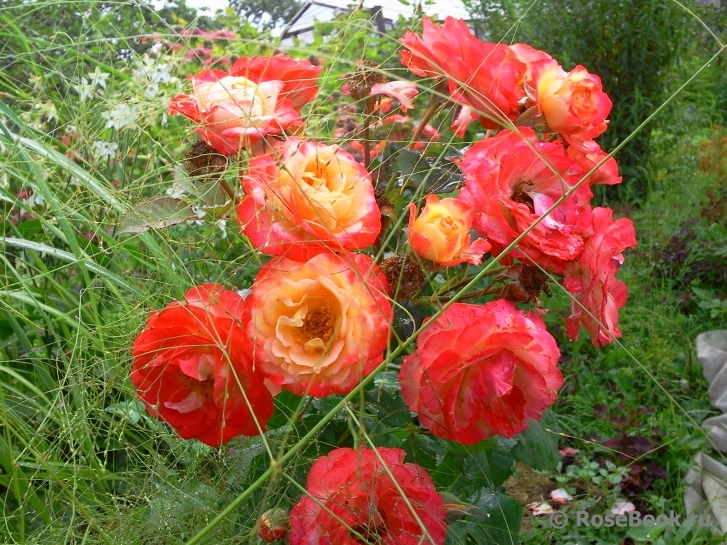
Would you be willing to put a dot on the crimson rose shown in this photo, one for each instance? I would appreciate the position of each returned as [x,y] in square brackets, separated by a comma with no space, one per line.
[193,368]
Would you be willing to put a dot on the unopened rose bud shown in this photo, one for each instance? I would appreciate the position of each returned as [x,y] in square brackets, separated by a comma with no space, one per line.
[273,525]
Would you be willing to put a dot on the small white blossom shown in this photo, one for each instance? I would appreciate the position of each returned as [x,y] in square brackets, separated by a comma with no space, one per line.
[541,508]
[121,116]
[560,496]
[105,149]
[98,77]
[176,191]
[244,292]
[622,507]
[222,224]
[84,89]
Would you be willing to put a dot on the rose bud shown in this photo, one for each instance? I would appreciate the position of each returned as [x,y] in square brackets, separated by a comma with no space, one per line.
[441,232]
[273,525]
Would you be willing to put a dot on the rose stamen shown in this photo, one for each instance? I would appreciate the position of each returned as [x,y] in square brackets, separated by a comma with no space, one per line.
[521,196]
[318,327]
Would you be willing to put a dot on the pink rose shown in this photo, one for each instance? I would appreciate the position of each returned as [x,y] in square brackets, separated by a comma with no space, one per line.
[573,103]
[480,371]
[313,198]
[591,280]
[587,154]
[353,489]
[403,91]
[512,180]
[235,112]
[441,232]
[486,74]
[299,77]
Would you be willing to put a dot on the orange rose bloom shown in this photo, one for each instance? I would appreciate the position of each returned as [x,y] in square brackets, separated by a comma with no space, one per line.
[441,233]
[573,103]
[311,199]
[319,327]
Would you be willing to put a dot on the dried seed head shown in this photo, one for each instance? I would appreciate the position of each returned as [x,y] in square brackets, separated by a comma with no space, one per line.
[403,274]
[203,161]
[364,79]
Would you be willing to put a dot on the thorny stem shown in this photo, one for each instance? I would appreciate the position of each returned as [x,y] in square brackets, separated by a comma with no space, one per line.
[368,112]
[432,109]
[472,295]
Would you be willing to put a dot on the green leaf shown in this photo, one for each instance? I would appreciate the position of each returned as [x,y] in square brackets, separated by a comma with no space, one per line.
[538,445]
[467,472]
[206,189]
[437,176]
[156,213]
[495,520]
[29,228]
[421,450]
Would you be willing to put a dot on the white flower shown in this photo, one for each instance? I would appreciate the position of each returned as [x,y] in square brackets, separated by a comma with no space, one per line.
[176,191]
[84,89]
[98,77]
[541,508]
[560,496]
[105,149]
[222,224]
[121,116]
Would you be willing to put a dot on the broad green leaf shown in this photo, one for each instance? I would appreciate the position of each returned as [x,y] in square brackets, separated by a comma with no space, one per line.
[494,520]
[156,213]
[419,170]
[538,445]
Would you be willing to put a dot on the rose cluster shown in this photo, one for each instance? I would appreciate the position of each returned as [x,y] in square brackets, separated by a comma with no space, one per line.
[528,188]
[317,319]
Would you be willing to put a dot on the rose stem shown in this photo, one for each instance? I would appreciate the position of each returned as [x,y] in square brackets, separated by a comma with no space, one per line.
[368,111]
[230,192]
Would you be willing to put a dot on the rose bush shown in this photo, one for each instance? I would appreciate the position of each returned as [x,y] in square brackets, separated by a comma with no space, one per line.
[320,326]
[312,198]
[353,497]
[193,368]
[480,371]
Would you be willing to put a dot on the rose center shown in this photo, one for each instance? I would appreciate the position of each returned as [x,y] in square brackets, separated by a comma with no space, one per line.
[318,323]
[448,225]
[523,197]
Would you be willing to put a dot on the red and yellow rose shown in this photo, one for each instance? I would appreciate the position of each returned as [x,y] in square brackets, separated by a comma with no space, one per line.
[312,198]
[441,232]
[320,326]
